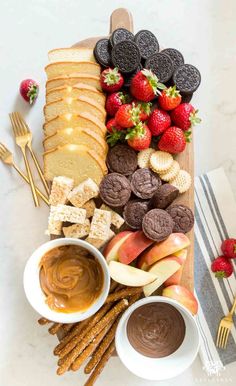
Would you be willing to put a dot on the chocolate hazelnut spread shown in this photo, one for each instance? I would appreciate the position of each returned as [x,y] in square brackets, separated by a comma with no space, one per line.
[156,330]
[71,278]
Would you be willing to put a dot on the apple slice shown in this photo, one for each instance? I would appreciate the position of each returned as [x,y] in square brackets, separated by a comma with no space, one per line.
[132,247]
[162,269]
[110,251]
[176,278]
[130,276]
[174,243]
[183,296]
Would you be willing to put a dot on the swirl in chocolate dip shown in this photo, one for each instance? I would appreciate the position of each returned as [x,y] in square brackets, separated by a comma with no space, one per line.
[156,330]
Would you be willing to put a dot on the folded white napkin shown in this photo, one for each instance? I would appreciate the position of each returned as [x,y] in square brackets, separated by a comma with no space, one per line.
[215,213]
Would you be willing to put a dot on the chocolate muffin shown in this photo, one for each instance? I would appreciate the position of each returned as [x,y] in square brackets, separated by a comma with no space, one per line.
[157,225]
[144,183]
[182,216]
[115,190]
[122,159]
[134,212]
[164,196]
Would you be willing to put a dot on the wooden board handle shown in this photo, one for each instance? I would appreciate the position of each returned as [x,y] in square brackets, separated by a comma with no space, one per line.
[121,18]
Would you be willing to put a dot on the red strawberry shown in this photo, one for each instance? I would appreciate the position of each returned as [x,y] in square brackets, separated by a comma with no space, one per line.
[139,138]
[114,101]
[29,90]
[185,116]
[128,115]
[111,80]
[170,98]
[145,109]
[159,121]
[222,267]
[173,140]
[112,126]
[145,85]
[228,248]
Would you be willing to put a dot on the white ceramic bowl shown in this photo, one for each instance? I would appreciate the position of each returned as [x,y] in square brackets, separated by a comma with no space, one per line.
[35,295]
[158,369]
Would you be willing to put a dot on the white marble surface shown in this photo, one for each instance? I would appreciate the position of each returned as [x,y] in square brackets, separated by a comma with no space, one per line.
[204,30]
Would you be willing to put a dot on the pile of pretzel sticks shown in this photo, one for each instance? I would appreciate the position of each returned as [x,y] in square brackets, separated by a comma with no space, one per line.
[93,338]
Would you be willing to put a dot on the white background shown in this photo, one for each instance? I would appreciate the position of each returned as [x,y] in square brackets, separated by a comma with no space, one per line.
[205,32]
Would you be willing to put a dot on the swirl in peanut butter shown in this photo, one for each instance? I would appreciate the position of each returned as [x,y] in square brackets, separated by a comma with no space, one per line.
[71,278]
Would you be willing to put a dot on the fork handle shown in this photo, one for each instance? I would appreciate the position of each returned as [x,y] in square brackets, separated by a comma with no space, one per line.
[40,172]
[31,181]
[27,180]
[233,307]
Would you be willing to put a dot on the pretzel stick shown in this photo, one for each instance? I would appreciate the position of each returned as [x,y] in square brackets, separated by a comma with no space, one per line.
[67,327]
[113,286]
[90,348]
[54,328]
[111,315]
[43,321]
[106,356]
[75,330]
[123,293]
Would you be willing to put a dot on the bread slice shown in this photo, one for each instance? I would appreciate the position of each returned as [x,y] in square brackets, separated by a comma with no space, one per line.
[80,54]
[74,106]
[74,161]
[77,136]
[76,91]
[65,68]
[83,119]
[73,79]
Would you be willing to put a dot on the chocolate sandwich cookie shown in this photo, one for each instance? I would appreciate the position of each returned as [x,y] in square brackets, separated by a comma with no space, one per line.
[176,57]
[157,225]
[115,190]
[122,159]
[102,52]
[134,212]
[161,65]
[164,196]
[187,78]
[126,56]
[147,42]
[119,35]
[182,216]
[186,98]
[144,183]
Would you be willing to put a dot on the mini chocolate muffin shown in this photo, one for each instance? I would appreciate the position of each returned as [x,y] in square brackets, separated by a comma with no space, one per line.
[161,65]
[182,216]
[176,57]
[102,52]
[187,78]
[115,190]
[126,56]
[164,196]
[157,225]
[147,42]
[119,35]
[122,159]
[144,183]
[134,212]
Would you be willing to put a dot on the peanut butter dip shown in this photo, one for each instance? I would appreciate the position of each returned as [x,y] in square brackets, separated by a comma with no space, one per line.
[71,279]
[156,330]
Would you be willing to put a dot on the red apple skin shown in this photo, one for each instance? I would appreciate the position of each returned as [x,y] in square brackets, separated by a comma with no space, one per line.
[132,247]
[183,296]
[110,248]
[176,278]
[174,243]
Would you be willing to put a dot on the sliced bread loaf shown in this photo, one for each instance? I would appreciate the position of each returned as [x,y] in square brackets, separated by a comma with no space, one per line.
[76,91]
[54,70]
[84,119]
[73,79]
[74,106]
[77,136]
[74,161]
[80,54]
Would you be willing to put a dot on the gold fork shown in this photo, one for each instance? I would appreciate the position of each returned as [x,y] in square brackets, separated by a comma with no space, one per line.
[7,157]
[29,144]
[224,328]
[22,139]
